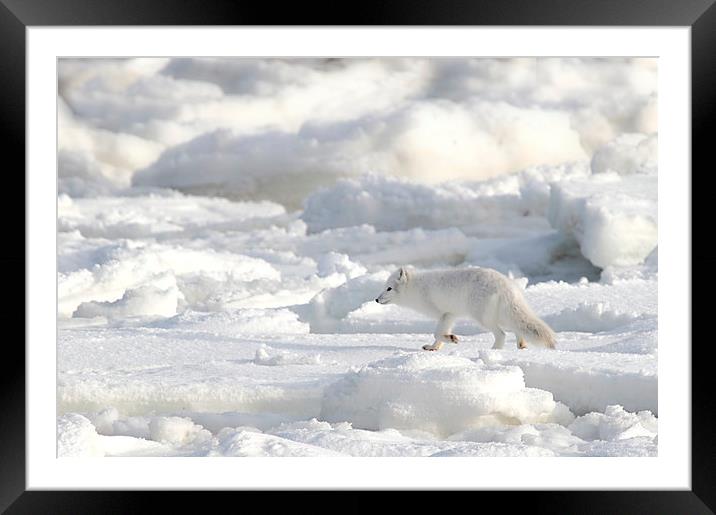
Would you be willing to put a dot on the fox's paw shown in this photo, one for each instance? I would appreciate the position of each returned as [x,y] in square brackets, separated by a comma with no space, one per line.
[435,346]
[451,337]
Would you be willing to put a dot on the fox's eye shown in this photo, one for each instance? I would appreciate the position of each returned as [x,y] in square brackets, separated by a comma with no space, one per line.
[390,289]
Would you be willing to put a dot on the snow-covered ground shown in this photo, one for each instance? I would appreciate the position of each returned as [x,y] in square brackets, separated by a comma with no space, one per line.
[224,228]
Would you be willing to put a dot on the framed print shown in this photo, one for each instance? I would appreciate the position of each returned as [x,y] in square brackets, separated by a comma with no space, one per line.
[417,250]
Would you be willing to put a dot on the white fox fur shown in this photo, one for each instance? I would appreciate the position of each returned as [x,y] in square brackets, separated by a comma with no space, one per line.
[483,294]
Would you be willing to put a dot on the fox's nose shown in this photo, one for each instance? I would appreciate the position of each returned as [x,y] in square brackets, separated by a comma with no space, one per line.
[377,301]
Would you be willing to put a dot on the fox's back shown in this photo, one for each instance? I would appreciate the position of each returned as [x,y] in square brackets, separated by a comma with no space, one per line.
[460,291]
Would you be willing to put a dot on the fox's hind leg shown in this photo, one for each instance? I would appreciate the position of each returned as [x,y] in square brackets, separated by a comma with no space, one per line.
[499,338]
[521,343]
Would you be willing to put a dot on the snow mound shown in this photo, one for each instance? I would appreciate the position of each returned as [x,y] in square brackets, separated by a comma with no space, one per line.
[327,308]
[613,218]
[587,381]
[628,154]
[436,393]
[77,437]
[145,301]
[337,263]
[243,442]
[131,264]
[649,270]
[615,424]
[269,357]
[176,430]
[93,160]
[615,432]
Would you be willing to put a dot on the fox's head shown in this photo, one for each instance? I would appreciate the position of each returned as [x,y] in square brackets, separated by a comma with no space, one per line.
[394,286]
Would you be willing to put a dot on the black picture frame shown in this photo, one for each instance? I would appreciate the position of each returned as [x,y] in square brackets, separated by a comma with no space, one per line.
[17,15]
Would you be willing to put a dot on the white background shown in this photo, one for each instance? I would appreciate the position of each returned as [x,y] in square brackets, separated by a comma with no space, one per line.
[671,469]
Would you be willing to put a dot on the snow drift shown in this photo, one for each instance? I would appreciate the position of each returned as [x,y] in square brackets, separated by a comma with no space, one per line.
[436,393]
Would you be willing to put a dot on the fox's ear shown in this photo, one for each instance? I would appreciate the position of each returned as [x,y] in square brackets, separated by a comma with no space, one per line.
[403,274]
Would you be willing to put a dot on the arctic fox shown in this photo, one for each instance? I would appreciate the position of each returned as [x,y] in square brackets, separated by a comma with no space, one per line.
[486,295]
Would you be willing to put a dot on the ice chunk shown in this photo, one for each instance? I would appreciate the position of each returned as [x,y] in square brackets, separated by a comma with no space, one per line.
[613,218]
[77,437]
[436,393]
[628,154]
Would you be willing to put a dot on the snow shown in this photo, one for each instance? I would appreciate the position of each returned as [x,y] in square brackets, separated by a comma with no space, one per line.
[612,217]
[249,124]
[430,402]
[177,431]
[588,381]
[224,227]
[239,442]
[447,394]
[271,358]
[615,424]
[395,204]
[147,300]
[627,154]
[76,436]
[128,265]
[238,321]
[422,134]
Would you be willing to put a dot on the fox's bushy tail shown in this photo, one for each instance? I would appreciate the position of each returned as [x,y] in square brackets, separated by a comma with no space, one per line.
[527,322]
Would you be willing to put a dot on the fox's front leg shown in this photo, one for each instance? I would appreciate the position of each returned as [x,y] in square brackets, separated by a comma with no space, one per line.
[443,332]
[435,346]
